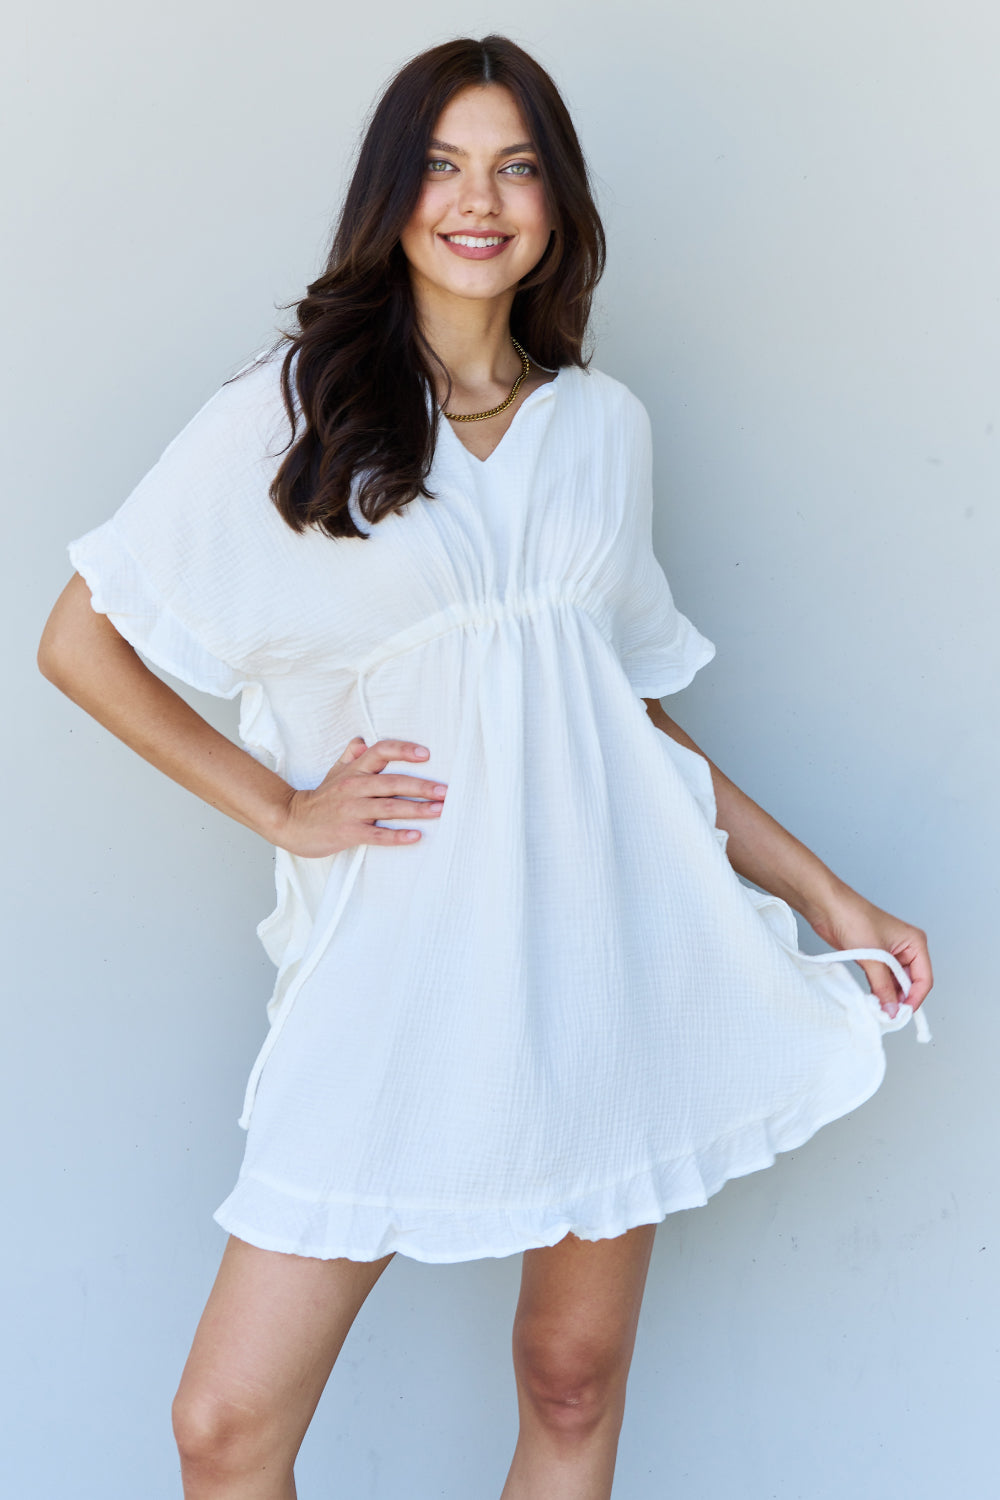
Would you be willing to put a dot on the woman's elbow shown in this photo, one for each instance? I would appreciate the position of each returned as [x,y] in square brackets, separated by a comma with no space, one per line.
[51,654]
[66,639]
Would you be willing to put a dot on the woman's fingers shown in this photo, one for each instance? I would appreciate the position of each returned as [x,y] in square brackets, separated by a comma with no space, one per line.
[378,756]
[395,784]
[913,955]
[882,983]
[922,976]
[399,807]
[352,750]
[373,833]
[371,778]
[356,792]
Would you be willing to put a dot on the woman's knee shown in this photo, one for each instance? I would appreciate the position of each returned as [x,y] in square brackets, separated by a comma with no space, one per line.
[572,1383]
[219,1435]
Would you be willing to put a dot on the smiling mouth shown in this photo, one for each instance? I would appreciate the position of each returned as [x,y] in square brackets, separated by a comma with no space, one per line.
[476,241]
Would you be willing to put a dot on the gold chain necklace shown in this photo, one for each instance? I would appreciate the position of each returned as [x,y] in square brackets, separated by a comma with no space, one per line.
[477,416]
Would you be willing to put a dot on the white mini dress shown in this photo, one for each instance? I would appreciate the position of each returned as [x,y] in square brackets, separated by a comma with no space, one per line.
[560,1009]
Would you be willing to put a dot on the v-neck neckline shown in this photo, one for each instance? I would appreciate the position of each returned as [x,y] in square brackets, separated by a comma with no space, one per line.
[483,463]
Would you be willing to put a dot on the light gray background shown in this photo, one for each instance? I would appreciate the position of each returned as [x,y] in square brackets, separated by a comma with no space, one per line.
[802,212]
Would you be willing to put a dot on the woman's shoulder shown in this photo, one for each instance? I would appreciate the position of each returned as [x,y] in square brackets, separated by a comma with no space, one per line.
[602,394]
[209,485]
[228,444]
[250,401]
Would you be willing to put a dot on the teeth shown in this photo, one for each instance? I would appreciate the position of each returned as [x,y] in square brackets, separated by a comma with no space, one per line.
[474,241]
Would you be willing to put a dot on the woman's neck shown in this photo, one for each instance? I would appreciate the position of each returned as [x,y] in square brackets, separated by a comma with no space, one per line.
[472,339]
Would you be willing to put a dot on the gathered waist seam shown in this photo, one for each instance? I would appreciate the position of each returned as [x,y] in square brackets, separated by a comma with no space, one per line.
[460,617]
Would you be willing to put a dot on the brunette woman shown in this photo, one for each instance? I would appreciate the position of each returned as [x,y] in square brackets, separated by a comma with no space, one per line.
[524,1001]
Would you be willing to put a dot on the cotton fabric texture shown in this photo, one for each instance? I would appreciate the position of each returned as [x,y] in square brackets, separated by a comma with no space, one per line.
[560,1009]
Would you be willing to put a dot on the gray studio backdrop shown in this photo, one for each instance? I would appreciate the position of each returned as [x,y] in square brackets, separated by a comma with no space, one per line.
[802,213]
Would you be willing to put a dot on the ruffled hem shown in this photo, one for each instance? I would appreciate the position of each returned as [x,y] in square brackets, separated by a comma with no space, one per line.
[328,1229]
[656,672]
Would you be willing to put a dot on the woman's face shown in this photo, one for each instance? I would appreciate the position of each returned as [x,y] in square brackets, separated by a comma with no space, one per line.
[481,181]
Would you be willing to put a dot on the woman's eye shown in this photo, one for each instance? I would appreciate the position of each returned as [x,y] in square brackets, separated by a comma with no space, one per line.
[438,167]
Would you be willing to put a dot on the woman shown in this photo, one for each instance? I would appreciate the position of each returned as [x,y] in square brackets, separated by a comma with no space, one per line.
[419,546]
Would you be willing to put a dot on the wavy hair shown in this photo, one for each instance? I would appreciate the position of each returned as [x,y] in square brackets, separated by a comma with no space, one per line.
[357,363]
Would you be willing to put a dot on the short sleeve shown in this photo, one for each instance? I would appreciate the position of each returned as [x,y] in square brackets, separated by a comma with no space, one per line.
[176,568]
[659,648]
[139,611]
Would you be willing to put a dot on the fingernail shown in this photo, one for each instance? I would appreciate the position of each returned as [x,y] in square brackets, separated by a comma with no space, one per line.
[439,791]
[421,750]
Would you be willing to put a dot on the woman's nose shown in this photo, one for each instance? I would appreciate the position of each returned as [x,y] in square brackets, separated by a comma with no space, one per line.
[478,193]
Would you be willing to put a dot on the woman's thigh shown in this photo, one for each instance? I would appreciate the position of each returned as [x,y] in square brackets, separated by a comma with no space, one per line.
[267,1340]
[578,1308]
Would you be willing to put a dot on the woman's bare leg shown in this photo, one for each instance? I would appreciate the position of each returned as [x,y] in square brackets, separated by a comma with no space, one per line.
[263,1351]
[574,1332]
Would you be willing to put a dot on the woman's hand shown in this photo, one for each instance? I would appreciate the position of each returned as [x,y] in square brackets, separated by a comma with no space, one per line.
[343,809]
[853,922]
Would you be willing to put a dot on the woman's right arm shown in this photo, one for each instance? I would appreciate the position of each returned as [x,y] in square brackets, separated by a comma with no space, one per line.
[83,655]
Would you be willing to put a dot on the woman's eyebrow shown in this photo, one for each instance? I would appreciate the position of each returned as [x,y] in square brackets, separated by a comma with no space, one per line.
[505,151]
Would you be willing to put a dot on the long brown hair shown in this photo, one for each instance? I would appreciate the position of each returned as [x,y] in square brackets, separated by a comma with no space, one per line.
[357,362]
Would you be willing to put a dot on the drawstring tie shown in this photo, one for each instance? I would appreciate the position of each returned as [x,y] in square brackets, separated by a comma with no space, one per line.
[879,955]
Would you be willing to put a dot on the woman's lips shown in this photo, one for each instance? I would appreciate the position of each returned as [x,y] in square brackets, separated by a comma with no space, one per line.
[476,252]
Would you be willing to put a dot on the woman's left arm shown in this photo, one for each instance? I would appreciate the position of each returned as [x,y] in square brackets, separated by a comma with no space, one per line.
[764,852]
